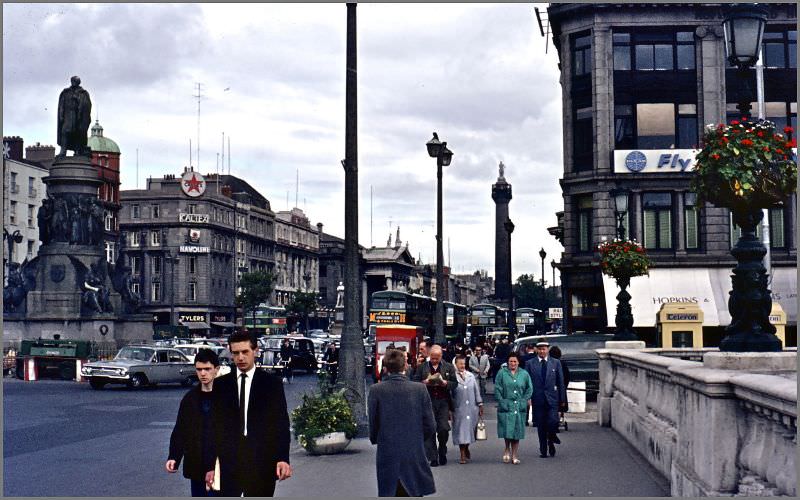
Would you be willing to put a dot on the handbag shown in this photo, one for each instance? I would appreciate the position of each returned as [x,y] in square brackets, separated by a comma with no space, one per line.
[480,432]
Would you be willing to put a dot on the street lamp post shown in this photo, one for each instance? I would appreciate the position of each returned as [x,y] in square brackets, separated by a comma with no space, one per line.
[620,197]
[11,238]
[172,261]
[553,265]
[438,150]
[750,300]
[542,254]
[624,319]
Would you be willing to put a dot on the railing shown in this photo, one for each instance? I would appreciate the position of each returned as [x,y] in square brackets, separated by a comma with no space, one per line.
[710,431]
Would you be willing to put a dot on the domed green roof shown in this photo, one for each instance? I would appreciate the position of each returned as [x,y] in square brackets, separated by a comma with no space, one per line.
[99,143]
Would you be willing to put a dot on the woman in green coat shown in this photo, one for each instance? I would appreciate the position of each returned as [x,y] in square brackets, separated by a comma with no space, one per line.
[512,391]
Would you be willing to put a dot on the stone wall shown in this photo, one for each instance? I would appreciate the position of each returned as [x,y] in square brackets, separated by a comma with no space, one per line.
[725,425]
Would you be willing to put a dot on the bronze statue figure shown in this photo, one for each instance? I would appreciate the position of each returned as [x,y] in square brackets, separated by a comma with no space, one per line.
[74,118]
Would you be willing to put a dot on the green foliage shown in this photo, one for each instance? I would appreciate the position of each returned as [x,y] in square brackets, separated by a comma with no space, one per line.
[323,414]
[745,165]
[623,259]
[302,304]
[528,292]
[256,288]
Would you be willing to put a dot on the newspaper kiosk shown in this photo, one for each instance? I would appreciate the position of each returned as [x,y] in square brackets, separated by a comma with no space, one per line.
[680,325]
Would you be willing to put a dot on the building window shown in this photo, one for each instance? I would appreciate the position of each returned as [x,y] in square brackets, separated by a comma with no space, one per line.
[777,230]
[155,211]
[583,140]
[192,208]
[31,244]
[109,251]
[107,219]
[155,238]
[622,51]
[192,295]
[691,215]
[582,55]
[136,239]
[12,212]
[135,212]
[655,126]
[624,134]
[31,216]
[13,183]
[32,187]
[657,220]
[686,125]
[585,223]
[135,288]
[192,265]
[780,49]
[155,294]
[136,265]
[155,264]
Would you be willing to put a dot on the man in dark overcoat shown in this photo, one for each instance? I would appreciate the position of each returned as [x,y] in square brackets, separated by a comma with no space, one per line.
[549,397]
[250,426]
[439,377]
[74,118]
[400,420]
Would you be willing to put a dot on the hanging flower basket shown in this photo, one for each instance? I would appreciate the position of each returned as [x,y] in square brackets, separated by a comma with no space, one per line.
[745,165]
[622,259]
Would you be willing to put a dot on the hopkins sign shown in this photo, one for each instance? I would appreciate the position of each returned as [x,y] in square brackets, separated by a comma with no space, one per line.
[653,161]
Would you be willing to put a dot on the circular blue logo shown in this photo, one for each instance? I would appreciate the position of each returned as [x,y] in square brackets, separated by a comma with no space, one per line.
[635,161]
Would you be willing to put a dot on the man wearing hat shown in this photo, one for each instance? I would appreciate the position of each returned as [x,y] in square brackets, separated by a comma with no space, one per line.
[549,396]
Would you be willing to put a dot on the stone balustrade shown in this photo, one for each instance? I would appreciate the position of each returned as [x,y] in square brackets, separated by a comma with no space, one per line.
[713,423]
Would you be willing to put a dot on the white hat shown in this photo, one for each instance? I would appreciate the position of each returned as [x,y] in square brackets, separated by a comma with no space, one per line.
[542,344]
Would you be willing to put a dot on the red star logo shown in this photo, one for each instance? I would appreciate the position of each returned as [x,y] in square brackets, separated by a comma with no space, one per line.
[193,184]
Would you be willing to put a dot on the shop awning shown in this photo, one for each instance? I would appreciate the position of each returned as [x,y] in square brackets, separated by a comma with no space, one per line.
[195,325]
[708,288]
[224,324]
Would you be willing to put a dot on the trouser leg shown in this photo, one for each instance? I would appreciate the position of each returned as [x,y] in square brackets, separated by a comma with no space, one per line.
[540,417]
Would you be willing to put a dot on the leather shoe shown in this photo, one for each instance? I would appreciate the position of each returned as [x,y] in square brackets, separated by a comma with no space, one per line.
[552,449]
[543,455]
[442,459]
[434,463]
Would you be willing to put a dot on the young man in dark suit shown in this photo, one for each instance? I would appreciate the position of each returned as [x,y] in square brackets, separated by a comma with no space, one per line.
[191,437]
[250,424]
[549,397]
[400,420]
[439,377]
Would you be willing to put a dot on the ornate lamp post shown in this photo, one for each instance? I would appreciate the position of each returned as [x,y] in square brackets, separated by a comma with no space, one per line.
[620,197]
[438,150]
[542,255]
[743,27]
[624,318]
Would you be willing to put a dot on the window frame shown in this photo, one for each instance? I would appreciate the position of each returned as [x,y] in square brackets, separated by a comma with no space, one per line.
[659,244]
[582,52]
[651,39]
[584,224]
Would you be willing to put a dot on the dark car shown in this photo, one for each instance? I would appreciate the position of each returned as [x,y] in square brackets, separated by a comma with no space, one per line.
[303,357]
[578,352]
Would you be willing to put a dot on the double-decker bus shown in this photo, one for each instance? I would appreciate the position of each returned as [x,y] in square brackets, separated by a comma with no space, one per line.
[270,320]
[455,325]
[401,308]
[530,321]
[485,318]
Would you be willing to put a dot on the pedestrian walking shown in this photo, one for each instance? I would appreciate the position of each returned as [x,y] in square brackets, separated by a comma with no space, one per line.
[467,409]
[400,422]
[530,353]
[549,397]
[286,354]
[250,424]
[555,352]
[439,377]
[512,391]
[479,366]
[191,437]
[331,359]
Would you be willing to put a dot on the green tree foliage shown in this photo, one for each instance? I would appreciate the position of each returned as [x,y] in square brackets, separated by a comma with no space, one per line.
[302,304]
[528,292]
[256,287]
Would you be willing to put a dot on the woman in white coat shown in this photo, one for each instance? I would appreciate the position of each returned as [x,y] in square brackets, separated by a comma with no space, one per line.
[467,408]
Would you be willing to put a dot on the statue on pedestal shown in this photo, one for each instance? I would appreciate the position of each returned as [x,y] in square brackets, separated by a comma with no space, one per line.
[74,118]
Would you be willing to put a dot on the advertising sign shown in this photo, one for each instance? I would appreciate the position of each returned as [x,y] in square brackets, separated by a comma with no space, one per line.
[194,249]
[193,218]
[555,313]
[192,318]
[193,184]
[654,161]
[387,317]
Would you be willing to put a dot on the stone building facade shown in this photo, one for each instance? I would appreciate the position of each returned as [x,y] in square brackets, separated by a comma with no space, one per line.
[639,84]
[296,255]
[188,253]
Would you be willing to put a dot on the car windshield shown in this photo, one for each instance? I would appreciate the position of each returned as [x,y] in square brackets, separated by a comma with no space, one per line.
[397,344]
[189,351]
[135,353]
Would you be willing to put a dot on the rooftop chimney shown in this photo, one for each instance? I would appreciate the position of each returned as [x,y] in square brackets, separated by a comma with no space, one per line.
[41,154]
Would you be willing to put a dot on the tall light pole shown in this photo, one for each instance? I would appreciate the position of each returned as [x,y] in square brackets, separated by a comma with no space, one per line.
[172,261]
[542,254]
[553,265]
[351,362]
[438,150]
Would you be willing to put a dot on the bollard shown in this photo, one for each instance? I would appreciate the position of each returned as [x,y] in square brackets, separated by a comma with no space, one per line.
[576,398]
[78,364]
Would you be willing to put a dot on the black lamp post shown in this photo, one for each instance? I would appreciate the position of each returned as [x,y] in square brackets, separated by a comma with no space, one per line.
[620,197]
[542,254]
[168,257]
[624,318]
[743,27]
[438,150]
[553,265]
[750,301]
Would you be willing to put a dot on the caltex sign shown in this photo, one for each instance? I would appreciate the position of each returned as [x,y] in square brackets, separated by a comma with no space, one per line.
[193,184]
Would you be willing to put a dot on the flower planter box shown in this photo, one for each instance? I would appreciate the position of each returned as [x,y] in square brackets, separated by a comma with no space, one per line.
[327,444]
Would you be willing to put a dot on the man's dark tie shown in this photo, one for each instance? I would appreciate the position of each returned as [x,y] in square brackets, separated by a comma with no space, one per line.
[544,370]
[242,406]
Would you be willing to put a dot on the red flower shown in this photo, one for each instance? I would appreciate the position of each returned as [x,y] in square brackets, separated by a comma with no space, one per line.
[625,249]
[724,139]
[735,122]
[760,133]
[791,144]
[715,156]
[788,130]
[747,142]
[779,151]
[734,130]
[638,249]
[744,119]
[766,148]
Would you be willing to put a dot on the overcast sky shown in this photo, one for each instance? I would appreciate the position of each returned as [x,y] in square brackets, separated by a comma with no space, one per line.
[274,81]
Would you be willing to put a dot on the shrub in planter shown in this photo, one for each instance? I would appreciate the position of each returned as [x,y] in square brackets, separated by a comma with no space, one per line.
[321,414]
[745,165]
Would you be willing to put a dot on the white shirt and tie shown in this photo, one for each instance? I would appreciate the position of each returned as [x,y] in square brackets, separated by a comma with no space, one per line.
[248,383]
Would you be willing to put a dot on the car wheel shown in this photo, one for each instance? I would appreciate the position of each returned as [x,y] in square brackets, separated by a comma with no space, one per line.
[96,384]
[137,381]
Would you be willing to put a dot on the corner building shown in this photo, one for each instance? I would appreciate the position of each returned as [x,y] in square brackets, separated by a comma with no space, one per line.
[639,84]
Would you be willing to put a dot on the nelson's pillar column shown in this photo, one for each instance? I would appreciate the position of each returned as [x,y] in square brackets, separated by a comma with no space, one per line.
[501,194]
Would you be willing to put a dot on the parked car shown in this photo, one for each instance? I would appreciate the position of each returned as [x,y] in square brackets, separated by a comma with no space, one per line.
[137,366]
[225,356]
[303,357]
[578,351]
[317,334]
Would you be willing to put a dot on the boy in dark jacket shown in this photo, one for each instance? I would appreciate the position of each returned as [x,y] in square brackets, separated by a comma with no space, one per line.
[191,437]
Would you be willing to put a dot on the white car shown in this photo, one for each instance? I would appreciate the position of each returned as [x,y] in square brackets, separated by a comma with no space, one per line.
[225,358]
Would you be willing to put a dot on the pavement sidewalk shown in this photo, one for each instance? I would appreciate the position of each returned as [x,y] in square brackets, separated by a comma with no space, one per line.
[591,461]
